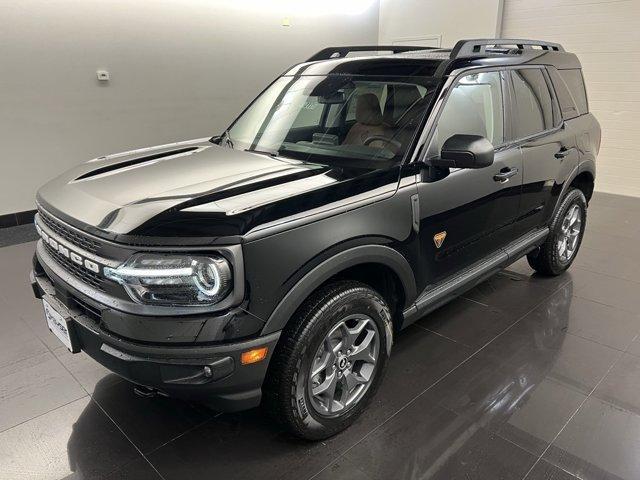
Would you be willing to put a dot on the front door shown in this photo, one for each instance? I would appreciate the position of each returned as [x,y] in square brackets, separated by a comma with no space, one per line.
[466,214]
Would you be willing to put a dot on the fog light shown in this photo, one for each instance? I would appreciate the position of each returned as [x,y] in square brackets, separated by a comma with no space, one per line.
[253,356]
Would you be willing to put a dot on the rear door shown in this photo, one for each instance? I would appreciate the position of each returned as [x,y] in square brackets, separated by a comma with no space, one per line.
[466,214]
[548,145]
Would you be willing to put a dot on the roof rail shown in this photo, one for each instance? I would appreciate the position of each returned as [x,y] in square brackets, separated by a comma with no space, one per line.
[338,52]
[484,46]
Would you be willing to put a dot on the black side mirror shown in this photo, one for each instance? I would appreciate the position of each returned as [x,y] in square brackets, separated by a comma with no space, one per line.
[465,151]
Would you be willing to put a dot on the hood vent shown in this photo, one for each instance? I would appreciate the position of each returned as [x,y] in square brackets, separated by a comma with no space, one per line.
[135,161]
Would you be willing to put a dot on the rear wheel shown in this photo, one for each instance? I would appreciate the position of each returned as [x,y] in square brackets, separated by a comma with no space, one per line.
[560,248]
[330,360]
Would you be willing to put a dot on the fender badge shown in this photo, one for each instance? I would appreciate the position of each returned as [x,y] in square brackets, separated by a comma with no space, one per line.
[438,238]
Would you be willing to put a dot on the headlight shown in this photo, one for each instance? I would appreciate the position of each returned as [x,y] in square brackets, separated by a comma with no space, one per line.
[174,279]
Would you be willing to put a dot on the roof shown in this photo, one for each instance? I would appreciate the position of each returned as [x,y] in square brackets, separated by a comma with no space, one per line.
[398,60]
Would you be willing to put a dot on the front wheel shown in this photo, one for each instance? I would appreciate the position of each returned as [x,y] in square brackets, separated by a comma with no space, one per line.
[560,248]
[330,360]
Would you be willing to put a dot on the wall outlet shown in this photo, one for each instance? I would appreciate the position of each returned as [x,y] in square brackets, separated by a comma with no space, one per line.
[103,75]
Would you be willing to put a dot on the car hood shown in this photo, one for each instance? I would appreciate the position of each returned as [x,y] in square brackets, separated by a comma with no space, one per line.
[194,189]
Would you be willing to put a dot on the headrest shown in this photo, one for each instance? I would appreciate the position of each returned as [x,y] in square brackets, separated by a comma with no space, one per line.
[402,97]
[368,109]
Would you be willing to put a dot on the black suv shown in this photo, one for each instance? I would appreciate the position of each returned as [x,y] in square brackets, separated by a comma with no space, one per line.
[356,194]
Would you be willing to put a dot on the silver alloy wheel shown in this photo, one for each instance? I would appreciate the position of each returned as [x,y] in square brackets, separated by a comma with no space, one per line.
[569,233]
[342,368]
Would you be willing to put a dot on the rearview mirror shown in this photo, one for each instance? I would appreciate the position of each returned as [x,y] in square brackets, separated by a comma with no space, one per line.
[465,151]
[333,98]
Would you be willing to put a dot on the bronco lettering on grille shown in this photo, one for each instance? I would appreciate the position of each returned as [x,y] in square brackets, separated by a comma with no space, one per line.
[66,252]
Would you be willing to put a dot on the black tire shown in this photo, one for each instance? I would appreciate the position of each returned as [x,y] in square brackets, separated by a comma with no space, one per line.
[546,260]
[286,396]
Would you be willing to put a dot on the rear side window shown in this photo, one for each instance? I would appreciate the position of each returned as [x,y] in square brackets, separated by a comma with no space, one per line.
[532,103]
[567,103]
[575,82]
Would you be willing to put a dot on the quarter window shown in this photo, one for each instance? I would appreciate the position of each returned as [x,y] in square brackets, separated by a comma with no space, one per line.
[565,99]
[474,107]
[575,82]
[533,105]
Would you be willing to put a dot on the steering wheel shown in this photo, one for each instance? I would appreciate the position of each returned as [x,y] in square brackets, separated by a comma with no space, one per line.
[382,138]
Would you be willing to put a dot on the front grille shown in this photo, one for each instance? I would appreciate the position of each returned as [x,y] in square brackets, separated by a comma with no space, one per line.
[87,310]
[78,239]
[78,271]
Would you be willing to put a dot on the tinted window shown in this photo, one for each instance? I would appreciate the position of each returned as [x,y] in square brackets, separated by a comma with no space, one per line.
[474,107]
[575,82]
[565,99]
[533,105]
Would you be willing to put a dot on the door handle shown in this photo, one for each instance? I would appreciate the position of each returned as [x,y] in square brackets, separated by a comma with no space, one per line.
[505,174]
[563,152]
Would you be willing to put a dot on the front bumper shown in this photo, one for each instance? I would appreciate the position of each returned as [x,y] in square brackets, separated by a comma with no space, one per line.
[179,371]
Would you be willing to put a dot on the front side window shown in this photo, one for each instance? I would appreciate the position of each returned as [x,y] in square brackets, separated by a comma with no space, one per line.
[532,103]
[474,107]
[335,118]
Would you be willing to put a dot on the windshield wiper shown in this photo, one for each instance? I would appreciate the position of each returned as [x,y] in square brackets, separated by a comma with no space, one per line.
[262,152]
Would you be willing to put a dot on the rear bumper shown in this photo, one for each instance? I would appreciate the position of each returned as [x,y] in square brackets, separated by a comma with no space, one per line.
[212,374]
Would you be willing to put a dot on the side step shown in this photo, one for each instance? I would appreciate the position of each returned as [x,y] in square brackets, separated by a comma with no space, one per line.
[440,293]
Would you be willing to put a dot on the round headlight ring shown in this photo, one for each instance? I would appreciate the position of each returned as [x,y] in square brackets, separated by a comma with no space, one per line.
[207,278]
[212,276]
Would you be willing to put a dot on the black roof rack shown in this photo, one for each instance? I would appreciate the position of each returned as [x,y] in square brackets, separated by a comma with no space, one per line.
[338,52]
[485,46]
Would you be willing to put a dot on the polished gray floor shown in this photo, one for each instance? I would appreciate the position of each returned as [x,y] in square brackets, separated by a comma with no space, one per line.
[524,377]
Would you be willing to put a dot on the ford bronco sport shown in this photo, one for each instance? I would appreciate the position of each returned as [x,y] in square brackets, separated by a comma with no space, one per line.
[275,262]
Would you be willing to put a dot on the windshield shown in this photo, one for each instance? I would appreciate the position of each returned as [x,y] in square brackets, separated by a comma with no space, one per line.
[336,118]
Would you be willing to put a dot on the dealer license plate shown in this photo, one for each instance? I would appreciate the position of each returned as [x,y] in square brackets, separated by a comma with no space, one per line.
[58,325]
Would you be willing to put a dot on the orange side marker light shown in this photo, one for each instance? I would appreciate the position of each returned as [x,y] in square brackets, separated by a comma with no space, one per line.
[253,356]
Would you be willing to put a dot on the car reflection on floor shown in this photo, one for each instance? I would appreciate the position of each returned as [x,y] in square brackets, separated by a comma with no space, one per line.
[481,398]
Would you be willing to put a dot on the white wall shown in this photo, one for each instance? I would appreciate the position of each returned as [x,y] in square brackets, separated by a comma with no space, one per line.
[180,69]
[606,37]
[453,19]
